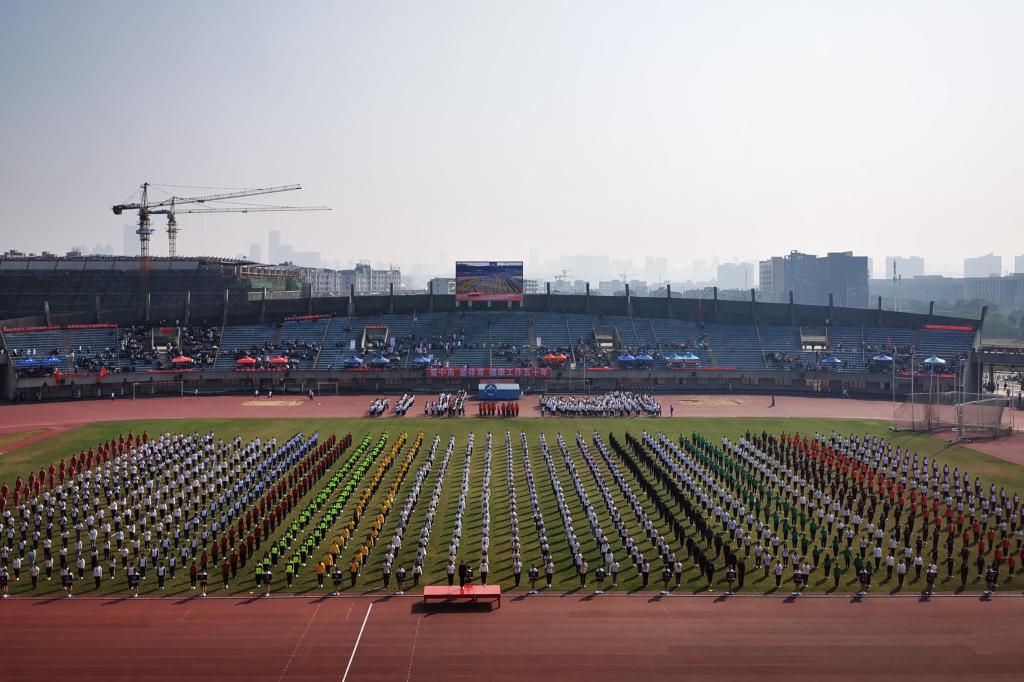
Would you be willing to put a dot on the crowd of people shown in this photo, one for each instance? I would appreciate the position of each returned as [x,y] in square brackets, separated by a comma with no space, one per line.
[404,404]
[446,405]
[611,404]
[821,509]
[503,408]
[146,508]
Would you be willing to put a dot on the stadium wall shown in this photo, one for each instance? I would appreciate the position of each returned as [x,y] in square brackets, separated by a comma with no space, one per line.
[232,308]
[223,382]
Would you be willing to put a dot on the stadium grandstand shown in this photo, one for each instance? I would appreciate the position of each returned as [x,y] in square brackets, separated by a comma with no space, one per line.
[89,327]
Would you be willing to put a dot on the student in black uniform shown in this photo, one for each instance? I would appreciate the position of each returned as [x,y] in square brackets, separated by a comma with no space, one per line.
[400,579]
[730,578]
[533,574]
[67,582]
[268,578]
[991,578]
[666,578]
[599,577]
[336,579]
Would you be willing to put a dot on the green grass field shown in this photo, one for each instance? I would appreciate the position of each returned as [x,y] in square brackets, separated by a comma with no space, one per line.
[65,444]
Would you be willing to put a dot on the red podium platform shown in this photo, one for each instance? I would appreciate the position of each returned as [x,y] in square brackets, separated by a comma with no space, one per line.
[471,593]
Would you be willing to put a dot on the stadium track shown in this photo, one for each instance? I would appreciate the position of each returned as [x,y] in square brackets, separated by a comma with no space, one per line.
[55,418]
[536,638]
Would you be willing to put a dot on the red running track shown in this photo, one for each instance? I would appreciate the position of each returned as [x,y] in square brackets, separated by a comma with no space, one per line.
[537,638]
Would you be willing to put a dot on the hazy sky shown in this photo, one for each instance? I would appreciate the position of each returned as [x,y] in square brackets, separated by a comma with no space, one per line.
[484,129]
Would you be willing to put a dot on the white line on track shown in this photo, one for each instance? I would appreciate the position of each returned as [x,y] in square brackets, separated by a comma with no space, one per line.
[408,673]
[356,646]
[299,643]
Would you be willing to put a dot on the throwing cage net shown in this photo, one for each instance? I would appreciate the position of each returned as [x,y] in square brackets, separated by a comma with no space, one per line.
[971,415]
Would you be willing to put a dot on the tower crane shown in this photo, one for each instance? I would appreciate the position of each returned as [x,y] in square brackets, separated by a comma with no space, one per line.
[169,208]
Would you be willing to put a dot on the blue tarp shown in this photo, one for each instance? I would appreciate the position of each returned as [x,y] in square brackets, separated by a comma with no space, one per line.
[53,360]
[27,362]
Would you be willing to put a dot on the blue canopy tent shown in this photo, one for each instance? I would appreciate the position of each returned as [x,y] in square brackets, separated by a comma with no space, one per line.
[935,361]
[380,361]
[423,360]
[353,361]
[27,362]
[674,357]
[53,360]
[690,357]
[832,360]
[626,357]
[645,357]
[881,358]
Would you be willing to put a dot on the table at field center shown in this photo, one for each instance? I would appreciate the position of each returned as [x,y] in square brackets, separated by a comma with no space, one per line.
[450,594]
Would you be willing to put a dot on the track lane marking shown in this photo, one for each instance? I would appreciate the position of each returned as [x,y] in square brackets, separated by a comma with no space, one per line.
[299,643]
[356,645]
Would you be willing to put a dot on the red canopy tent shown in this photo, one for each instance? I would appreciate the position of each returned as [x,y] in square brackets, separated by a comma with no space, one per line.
[181,360]
[550,357]
[561,357]
[278,360]
[246,360]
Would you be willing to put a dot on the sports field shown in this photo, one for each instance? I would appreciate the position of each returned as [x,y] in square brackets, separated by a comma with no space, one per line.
[336,492]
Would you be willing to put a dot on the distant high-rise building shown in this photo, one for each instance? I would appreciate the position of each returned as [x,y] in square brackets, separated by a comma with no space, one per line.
[812,279]
[983,266]
[655,268]
[279,252]
[1018,265]
[328,282]
[255,252]
[131,241]
[906,266]
[736,276]
[442,285]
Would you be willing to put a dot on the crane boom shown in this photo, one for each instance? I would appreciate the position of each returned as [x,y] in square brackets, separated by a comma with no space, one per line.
[146,208]
[254,209]
[228,195]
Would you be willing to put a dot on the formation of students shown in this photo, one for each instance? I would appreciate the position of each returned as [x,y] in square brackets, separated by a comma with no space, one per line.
[404,404]
[612,404]
[460,511]
[446,405]
[794,507]
[508,408]
[148,508]
[378,406]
